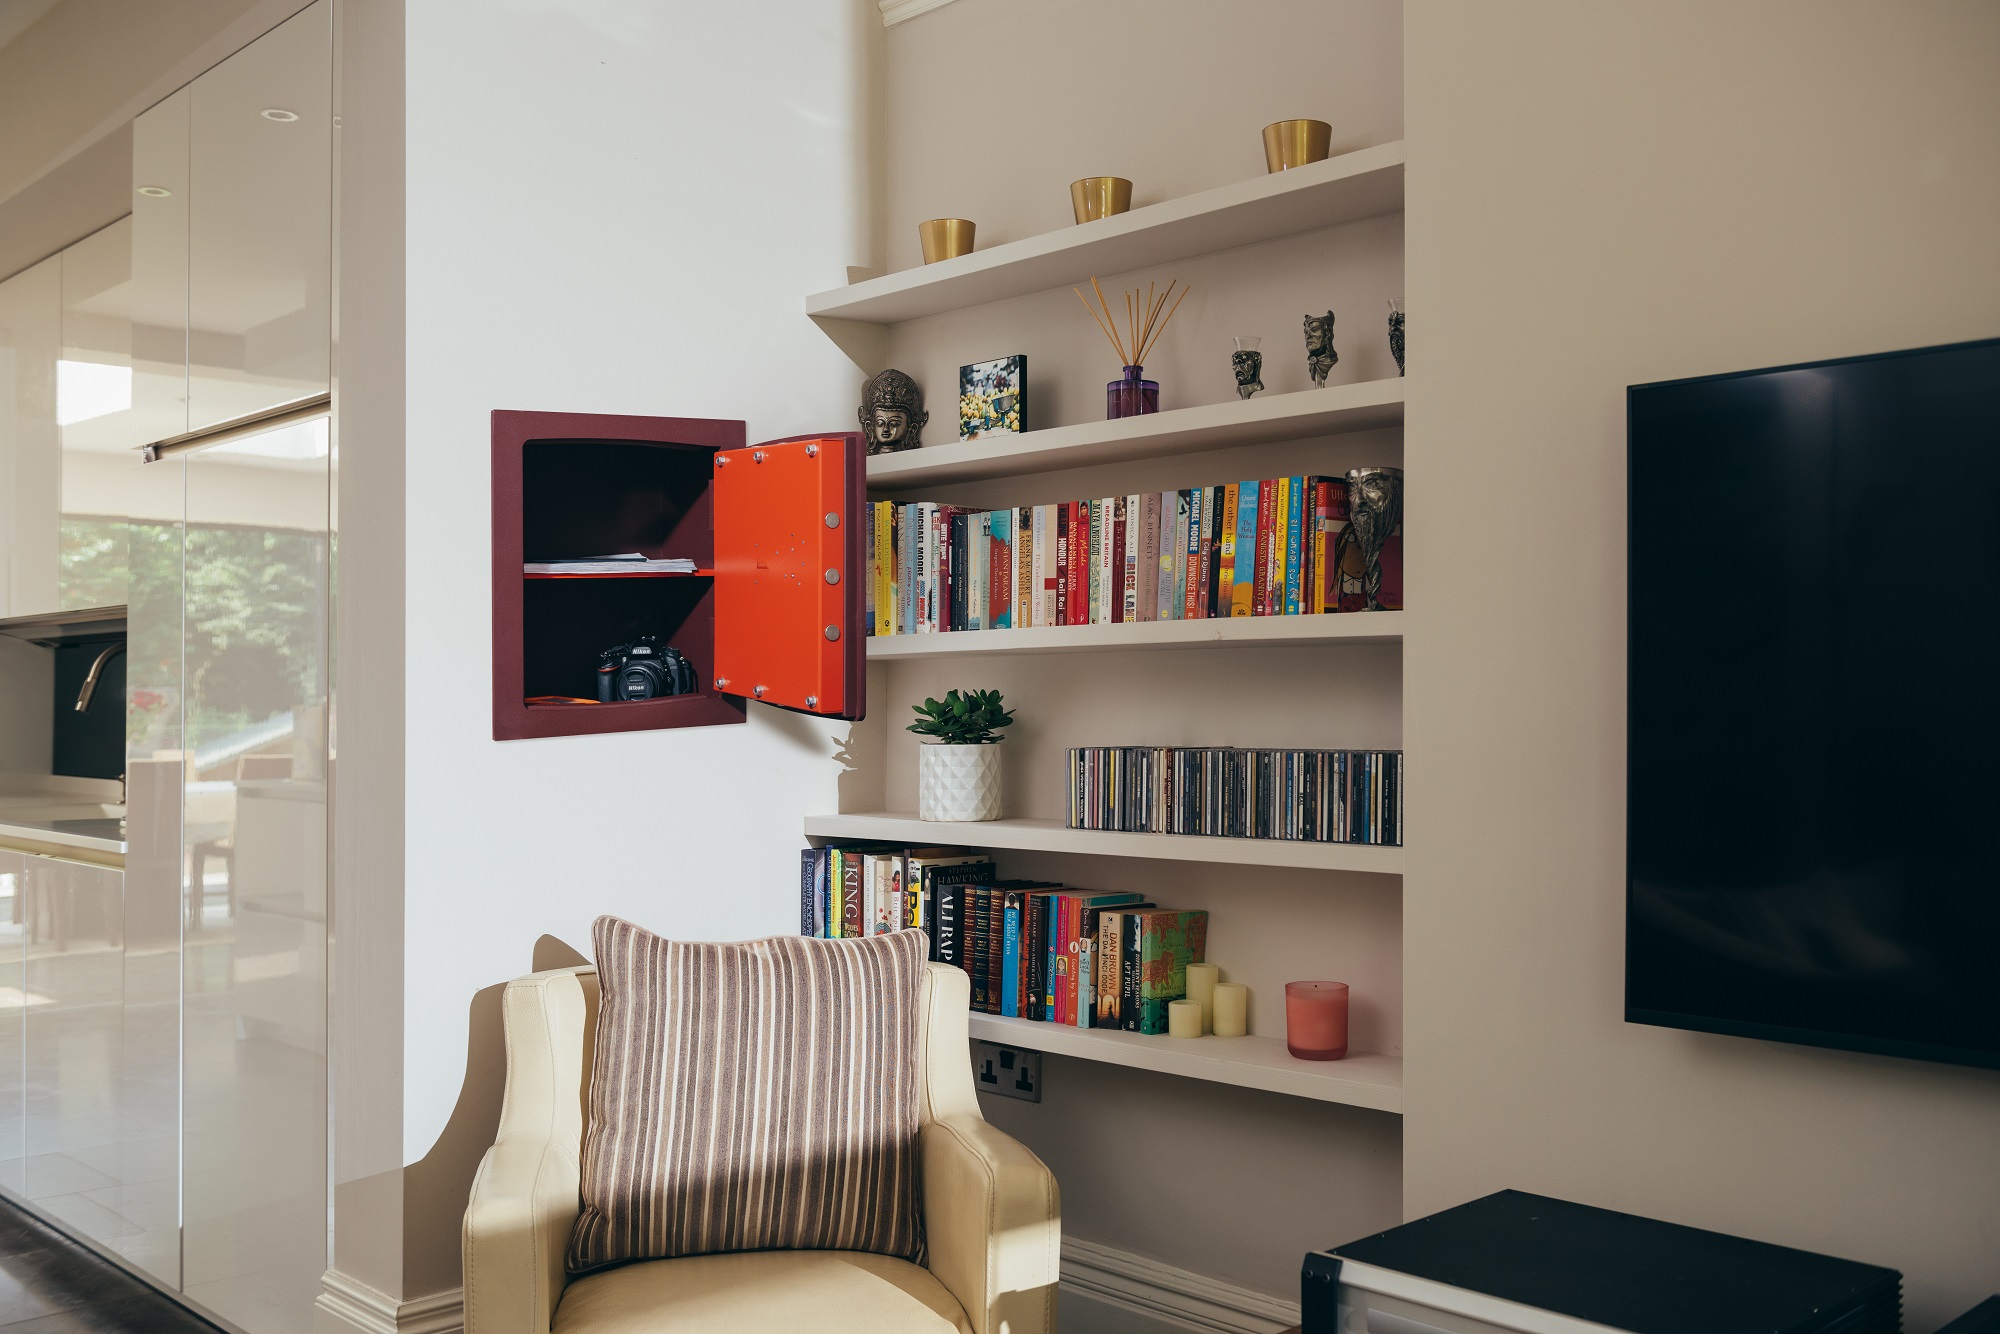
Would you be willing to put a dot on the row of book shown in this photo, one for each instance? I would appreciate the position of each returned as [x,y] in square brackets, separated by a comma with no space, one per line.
[1279,547]
[1034,949]
[1319,796]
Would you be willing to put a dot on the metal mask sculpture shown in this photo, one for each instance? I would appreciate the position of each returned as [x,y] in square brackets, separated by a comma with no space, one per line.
[1374,516]
[892,413]
[1320,356]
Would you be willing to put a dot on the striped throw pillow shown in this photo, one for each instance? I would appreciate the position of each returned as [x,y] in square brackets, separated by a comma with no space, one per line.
[753,1096]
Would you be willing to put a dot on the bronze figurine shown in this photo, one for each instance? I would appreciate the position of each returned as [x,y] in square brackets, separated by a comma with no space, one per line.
[1320,356]
[892,413]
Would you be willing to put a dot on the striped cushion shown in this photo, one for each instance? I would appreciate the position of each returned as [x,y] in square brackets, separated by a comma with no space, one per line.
[754,1096]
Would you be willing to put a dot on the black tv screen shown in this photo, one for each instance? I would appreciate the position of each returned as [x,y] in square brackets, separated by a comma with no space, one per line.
[1813,799]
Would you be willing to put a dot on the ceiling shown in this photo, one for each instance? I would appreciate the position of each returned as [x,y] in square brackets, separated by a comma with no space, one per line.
[17,16]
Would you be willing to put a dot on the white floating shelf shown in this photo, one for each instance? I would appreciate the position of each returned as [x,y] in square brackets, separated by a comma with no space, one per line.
[1361,1080]
[1053,836]
[1373,627]
[1364,184]
[1366,405]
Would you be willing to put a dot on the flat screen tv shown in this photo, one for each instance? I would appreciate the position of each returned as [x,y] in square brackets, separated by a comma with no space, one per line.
[1813,795]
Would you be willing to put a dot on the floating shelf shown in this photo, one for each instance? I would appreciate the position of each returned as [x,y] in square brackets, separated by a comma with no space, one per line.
[1361,1080]
[1373,627]
[1053,836]
[630,574]
[1364,184]
[1366,405]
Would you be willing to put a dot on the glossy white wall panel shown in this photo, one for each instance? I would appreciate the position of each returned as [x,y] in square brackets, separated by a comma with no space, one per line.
[95,413]
[13,1018]
[160,268]
[30,449]
[254,963]
[260,181]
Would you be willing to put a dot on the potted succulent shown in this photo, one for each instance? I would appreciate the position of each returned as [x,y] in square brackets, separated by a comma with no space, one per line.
[958,771]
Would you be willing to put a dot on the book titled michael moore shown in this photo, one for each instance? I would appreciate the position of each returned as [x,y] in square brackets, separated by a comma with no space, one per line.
[993,397]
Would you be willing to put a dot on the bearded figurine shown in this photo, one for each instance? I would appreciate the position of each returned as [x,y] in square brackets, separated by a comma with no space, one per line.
[1375,533]
[892,413]
[1320,356]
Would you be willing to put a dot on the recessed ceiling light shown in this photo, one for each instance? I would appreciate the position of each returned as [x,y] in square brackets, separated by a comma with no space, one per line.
[278,113]
[156,191]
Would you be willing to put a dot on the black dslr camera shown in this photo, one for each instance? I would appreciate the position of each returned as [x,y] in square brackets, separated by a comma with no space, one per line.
[642,669]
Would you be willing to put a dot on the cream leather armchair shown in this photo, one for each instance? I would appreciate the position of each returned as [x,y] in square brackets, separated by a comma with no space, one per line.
[990,1209]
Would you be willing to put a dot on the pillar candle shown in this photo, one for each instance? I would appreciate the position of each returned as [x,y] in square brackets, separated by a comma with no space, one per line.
[1316,1020]
[1201,980]
[1183,1019]
[1232,1009]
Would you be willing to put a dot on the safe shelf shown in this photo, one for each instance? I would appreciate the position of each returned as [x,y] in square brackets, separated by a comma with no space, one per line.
[1365,405]
[1363,184]
[1053,836]
[1368,627]
[1361,1080]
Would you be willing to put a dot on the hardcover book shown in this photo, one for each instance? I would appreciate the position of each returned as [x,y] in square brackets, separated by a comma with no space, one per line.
[993,398]
[1162,942]
[1000,570]
[1295,522]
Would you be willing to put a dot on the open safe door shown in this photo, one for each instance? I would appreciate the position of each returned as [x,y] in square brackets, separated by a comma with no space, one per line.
[791,569]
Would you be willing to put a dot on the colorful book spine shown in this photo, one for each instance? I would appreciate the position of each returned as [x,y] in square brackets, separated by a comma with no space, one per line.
[1010,954]
[808,899]
[1078,568]
[1295,524]
[1086,967]
[1024,566]
[882,569]
[1190,557]
[1225,584]
[1063,515]
[1094,567]
[1168,941]
[1260,578]
[1243,584]
[851,925]
[1114,591]
[1329,522]
[1135,526]
[1000,560]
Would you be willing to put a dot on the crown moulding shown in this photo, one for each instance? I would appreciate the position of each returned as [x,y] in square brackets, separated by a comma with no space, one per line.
[897,11]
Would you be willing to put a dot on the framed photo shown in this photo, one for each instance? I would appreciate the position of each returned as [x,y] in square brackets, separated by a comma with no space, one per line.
[993,398]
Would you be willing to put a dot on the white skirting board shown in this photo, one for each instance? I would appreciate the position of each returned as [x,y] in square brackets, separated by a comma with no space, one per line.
[1104,1291]
[349,1306]
[1107,1291]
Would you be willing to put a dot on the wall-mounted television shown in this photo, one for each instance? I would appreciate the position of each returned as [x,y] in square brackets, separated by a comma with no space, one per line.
[1813,765]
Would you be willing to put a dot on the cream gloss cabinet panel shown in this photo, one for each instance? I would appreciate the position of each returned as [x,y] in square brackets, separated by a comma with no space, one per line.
[260,152]
[30,444]
[13,1012]
[159,301]
[254,820]
[101,429]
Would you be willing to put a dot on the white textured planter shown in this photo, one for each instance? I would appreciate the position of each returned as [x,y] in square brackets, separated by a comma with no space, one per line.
[958,782]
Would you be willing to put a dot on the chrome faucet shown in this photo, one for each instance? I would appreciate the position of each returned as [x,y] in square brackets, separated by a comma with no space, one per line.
[83,696]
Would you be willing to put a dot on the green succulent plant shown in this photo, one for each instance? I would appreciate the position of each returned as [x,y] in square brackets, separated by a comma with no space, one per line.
[963,718]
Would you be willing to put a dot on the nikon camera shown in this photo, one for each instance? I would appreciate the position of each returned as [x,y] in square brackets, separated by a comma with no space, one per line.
[642,669]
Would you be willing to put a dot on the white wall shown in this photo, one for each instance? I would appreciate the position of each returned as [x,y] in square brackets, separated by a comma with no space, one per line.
[1603,195]
[611,207]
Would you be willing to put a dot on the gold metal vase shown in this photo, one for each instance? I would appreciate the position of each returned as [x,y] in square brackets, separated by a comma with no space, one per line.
[945,238]
[1294,143]
[1096,197]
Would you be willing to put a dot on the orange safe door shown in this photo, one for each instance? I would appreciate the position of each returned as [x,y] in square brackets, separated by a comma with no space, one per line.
[790,552]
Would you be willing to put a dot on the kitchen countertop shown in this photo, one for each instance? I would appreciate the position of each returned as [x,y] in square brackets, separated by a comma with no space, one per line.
[56,814]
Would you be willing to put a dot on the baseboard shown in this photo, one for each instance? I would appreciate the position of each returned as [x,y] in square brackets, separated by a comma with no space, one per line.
[349,1306]
[1168,1298]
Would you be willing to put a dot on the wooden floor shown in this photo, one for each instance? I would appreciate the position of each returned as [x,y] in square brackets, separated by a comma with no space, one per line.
[51,1285]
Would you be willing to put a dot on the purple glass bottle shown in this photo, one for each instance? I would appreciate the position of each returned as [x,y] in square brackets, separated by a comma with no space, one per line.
[1131,396]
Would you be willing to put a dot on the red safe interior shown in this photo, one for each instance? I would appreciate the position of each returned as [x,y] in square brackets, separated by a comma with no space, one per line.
[777,532]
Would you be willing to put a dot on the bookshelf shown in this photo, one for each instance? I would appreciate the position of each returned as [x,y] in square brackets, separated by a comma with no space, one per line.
[1280,909]
[1360,1080]
[1364,184]
[1024,835]
[1380,627]
[1368,405]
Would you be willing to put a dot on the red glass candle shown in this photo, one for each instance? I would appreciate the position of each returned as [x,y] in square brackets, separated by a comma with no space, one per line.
[1316,1020]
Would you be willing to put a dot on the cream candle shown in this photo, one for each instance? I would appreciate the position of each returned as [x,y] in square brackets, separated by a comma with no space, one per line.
[1232,1009]
[1183,1019]
[1201,980]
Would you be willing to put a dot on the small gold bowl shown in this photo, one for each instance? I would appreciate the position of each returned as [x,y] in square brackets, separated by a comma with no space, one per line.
[1096,197]
[1293,143]
[945,238]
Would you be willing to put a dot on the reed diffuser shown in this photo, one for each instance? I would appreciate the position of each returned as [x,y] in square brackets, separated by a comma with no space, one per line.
[1145,320]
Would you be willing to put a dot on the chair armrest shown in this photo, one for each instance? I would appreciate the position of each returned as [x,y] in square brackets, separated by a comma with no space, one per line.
[517,1226]
[993,1224]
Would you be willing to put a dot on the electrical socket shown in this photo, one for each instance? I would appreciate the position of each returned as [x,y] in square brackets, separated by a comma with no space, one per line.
[1011,1072]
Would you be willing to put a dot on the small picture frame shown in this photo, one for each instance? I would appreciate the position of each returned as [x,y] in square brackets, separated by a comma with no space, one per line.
[993,398]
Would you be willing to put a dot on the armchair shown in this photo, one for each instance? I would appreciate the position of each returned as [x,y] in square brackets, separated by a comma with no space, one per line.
[990,1208]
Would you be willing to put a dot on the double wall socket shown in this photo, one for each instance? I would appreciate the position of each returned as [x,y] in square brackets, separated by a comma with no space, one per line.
[1011,1072]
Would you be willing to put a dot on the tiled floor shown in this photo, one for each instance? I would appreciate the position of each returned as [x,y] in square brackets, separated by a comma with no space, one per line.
[50,1285]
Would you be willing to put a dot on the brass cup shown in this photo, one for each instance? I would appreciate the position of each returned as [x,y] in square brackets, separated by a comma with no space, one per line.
[1293,143]
[1096,197]
[945,238]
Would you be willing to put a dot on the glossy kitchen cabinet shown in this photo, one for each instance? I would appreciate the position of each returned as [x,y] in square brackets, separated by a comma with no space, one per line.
[13,1017]
[101,432]
[260,137]
[254,821]
[159,304]
[30,446]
